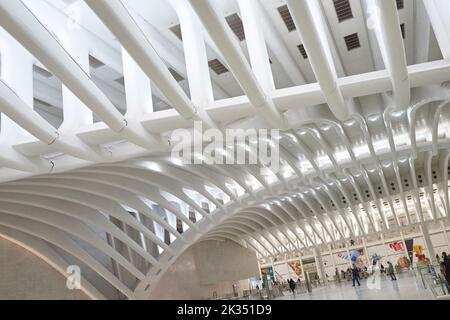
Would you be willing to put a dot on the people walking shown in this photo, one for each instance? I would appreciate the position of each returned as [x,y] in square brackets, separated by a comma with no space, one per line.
[391,271]
[446,262]
[381,268]
[338,278]
[355,275]
[292,285]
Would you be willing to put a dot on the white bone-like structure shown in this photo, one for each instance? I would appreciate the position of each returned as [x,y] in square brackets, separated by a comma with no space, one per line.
[90,92]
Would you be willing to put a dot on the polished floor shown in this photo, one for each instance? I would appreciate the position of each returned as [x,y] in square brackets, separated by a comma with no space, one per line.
[407,287]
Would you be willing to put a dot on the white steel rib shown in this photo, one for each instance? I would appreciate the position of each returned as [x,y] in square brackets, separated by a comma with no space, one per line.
[91,91]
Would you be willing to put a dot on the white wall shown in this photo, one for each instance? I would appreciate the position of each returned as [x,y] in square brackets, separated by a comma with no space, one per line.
[205,268]
[25,276]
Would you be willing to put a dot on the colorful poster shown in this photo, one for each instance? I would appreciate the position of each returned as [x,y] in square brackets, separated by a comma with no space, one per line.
[267,274]
[403,262]
[396,246]
[296,267]
[357,257]
[421,258]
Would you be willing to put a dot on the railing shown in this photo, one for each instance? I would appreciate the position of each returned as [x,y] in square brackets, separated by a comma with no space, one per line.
[433,279]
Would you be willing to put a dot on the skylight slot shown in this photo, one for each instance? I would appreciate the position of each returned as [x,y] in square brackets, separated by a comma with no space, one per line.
[287,18]
[120,81]
[302,50]
[42,72]
[177,31]
[217,66]
[178,77]
[343,9]
[95,63]
[402,28]
[235,23]
[41,102]
[352,41]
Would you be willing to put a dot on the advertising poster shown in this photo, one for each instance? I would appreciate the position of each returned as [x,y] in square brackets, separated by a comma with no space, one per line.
[396,247]
[357,257]
[281,272]
[296,267]
[267,274]
[397,253]
[420,254]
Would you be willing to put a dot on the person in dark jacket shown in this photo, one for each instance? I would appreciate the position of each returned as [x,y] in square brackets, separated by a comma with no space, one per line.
[390,271]
[446,262]
[292,285]
[355,275]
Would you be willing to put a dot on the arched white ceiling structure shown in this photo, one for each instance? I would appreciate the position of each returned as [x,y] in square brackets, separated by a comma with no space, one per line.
[90,92]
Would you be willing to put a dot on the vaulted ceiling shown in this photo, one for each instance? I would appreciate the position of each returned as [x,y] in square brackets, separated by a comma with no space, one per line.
[90,92]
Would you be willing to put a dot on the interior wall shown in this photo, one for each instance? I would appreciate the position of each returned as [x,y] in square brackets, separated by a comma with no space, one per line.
[25,276]
[208,268]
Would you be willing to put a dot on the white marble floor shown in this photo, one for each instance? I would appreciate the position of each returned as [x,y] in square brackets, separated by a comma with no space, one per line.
[407,287]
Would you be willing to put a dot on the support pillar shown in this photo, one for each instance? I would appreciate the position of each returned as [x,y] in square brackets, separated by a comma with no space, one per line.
[366,252]
[319,263]
[348,253]
[303,269]
[386,252]
[332,257]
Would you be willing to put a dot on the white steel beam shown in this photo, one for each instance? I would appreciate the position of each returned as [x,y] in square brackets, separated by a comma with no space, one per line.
[228,45]
[119,20]
[314,40]
[392,49]
[20,22]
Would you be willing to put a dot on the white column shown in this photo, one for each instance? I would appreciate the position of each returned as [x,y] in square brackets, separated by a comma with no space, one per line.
[319,263]
[386,252]
[138,91]
[366,251]
[16,72]
[332,257]
[301,265]
[348,253]
[75,112]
